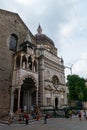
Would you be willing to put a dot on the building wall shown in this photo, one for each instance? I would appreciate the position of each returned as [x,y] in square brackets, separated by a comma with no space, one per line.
[53,69]
[9,23]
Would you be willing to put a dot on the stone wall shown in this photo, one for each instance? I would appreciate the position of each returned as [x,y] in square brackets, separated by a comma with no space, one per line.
[9,23]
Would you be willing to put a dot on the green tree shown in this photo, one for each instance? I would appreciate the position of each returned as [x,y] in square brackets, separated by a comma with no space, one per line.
[77,88]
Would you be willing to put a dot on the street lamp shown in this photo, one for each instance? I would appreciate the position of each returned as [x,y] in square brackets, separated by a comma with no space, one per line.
[69,68]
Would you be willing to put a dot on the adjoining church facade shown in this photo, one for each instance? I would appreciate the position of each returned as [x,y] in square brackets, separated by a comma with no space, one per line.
[31,73]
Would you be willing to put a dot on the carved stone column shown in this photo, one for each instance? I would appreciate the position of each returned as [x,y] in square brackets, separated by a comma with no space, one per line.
[27,66]
[12,99]
[15,62]
[42,81]
[37,96]
[19,89]
[65,97]
[21,61]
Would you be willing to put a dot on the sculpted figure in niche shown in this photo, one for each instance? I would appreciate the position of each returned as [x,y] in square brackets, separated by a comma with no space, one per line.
[35,66]
[30,62]
[24,64]
[28,50]
[30,65]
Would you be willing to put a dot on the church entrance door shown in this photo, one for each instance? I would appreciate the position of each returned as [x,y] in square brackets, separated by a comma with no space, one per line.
[28,94]
[56,103]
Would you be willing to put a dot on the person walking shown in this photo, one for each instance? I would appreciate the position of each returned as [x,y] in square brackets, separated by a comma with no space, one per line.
[84,114]
[70,114]
[45,119]
[80,115]
[26,118]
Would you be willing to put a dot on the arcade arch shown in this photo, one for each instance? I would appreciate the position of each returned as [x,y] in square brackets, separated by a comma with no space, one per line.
[28,95]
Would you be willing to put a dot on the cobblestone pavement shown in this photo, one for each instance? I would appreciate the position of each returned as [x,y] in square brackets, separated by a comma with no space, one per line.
[52,124]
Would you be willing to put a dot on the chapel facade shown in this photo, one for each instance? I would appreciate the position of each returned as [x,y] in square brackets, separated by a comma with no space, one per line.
[31,72]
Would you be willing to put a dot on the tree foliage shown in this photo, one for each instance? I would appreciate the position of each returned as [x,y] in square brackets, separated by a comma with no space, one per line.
[77,88]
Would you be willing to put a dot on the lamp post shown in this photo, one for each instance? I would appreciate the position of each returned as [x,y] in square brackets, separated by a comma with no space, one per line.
[69,68]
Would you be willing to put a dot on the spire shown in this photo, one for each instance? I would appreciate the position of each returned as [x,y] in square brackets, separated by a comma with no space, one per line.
[62,61]
[39,30]
[28,37]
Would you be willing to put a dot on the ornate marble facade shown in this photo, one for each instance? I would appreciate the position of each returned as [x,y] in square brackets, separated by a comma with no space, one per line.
[37,72]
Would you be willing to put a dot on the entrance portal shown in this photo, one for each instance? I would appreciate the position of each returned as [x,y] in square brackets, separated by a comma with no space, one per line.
[28,94]
[56,103]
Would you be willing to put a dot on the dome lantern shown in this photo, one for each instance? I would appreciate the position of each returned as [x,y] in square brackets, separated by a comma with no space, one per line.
[44,39]
[39,30]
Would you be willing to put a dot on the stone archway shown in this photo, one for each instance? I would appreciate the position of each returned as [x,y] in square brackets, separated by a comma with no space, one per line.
[28,94]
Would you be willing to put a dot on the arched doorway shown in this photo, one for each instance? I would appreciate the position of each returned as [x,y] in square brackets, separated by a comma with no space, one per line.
[56,103]
[28,94]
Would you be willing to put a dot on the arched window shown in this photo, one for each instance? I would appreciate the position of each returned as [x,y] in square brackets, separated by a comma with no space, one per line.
[55,81]
[13,42]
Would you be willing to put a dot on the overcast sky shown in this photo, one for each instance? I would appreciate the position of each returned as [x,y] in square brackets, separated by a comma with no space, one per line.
[64,21]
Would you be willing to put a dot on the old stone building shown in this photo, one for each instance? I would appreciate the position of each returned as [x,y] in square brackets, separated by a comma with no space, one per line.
[31,73]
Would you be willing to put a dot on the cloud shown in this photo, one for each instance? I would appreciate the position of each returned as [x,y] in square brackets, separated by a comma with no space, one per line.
[68,29]
[64,21]
[79,67]
[24,2]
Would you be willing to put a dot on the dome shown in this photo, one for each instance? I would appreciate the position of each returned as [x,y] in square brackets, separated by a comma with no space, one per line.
[42,37]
